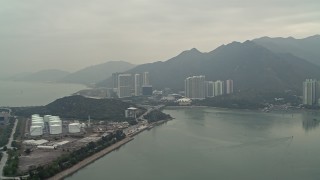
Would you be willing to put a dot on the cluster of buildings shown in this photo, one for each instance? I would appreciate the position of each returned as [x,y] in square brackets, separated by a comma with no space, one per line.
[50,125]
[311,92]
[127,85]
[196,87]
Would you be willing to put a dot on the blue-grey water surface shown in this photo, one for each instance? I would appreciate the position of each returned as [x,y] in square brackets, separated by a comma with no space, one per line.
[15,93]
[208,143]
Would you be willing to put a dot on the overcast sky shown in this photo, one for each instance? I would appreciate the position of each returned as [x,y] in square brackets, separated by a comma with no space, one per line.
[72,34]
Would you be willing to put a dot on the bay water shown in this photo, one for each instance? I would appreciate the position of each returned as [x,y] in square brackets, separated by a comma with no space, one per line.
[15,93]
[210,143]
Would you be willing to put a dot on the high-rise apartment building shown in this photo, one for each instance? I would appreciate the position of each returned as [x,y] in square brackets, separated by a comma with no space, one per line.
[195,87]
[210,89]
[137,85]
[124,85]
[229,86]
[310,91]
[115,80]
[218,88]
[146,78]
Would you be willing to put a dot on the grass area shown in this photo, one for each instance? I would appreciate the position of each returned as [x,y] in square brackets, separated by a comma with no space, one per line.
[78,107]
[2,127]
[12,164]
[6,132]
[20,128]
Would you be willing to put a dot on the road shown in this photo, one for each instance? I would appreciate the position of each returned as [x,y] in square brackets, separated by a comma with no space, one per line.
[142,121]
[4,154]
[149,110]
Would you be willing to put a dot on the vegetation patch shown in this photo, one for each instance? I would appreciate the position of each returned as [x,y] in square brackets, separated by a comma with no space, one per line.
[79,107]
[6,132]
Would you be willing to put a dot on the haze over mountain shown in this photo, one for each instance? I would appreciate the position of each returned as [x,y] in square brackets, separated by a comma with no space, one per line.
[251,66]
[16,76]
[49,75]
[88,75]
[96,73]
[67,35]
[306,48]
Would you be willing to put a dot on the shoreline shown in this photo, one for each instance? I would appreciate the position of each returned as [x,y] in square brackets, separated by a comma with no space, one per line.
[98,155]
[258,110]
[91,159]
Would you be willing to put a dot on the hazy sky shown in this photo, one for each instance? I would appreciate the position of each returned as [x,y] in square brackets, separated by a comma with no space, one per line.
[72,34]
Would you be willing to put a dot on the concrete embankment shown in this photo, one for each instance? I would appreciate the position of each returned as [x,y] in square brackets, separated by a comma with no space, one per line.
[90,159]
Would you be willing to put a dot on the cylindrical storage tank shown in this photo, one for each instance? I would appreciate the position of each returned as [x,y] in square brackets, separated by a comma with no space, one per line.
[46,118]
[55,129]
[36,130]
[37,123]
[54,118]
[36,120]
[35,115]
[74,127]
[32,122]
[56,122]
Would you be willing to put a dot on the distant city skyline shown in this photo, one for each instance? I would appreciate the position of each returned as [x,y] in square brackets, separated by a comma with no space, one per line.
[197,87]
[71,35]
[127,85]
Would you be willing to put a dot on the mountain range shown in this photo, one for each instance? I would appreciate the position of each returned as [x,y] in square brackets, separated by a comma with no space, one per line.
[264,64]
[89,75]
[96,73]
[251,64]
[50,75]
[306,48]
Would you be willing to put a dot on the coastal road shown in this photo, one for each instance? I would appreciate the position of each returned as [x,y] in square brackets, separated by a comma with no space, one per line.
[4,154]
[150,110]
[90,159]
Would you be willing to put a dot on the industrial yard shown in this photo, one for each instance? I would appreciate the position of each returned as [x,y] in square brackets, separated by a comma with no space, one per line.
[49,137]
[47,145]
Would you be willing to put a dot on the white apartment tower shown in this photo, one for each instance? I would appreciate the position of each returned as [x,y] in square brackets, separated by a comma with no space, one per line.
[229,86]
[146,78]
[210,89]
[218,88]
[309,92]
[195,87]
[137,85]
[124,85]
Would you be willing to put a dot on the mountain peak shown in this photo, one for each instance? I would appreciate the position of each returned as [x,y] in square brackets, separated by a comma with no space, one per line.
[317,36]
[191,51]
[235,44]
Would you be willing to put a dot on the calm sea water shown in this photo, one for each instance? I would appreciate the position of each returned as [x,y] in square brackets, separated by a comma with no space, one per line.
[207,143]
[31,93]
